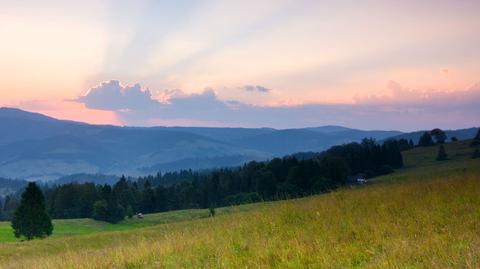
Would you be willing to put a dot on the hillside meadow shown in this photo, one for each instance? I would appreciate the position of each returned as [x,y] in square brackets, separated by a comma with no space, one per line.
[426,215]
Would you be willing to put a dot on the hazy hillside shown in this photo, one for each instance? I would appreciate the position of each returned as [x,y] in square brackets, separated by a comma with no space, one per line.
[460,134]
[37,147]
[282,142]
[8,186]
[18,125]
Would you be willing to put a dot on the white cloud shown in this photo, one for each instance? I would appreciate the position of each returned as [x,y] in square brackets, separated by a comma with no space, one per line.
[111,95]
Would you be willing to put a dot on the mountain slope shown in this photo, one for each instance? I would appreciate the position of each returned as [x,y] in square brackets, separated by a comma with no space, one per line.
[34,146]
[19,125]
[282,142]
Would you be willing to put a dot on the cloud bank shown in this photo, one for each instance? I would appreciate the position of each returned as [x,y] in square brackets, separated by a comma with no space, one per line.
[403,109]
[113,96]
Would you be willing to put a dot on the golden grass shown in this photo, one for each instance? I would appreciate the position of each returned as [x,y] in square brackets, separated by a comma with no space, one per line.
[432,223]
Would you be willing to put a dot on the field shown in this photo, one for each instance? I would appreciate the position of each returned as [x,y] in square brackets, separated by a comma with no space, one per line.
[426,215]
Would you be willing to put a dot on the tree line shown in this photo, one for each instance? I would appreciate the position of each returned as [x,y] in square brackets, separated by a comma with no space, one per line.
[307,173]
[292,176]
[279,178]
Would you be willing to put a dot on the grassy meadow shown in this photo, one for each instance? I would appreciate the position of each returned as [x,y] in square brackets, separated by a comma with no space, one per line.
[426,215]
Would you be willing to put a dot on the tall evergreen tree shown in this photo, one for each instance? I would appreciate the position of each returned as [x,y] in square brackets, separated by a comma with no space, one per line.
[425,140]
[476,139]
[108,209]
[147,204]
[31,219]
[442,154]
[410,143]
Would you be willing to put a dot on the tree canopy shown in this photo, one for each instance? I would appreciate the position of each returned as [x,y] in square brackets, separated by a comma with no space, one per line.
[439,134]
[425,140]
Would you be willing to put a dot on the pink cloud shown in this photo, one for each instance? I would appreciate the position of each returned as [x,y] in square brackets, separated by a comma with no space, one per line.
[399,96]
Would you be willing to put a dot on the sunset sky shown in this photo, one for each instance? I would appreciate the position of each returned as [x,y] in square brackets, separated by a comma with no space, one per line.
[401,65]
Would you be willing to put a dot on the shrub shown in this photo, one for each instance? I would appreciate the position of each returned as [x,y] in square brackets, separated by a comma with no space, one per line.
[442,154]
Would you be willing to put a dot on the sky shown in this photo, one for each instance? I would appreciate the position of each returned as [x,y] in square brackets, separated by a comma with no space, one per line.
[402,65]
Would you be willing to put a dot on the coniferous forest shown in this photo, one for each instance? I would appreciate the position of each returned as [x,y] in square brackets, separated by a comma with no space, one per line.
[279,178]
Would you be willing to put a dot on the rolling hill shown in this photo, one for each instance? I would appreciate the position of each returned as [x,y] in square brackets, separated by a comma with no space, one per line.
[460,134]
[401,220]
[37,147]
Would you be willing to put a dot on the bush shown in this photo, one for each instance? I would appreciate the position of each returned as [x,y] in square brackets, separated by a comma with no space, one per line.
[242,198]
[212,211]
[108,211]
[442,155]
[129,212]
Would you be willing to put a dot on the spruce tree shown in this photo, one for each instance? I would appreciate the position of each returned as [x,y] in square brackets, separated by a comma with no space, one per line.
[442,155]
[425,140]
[31,219]
[476,139]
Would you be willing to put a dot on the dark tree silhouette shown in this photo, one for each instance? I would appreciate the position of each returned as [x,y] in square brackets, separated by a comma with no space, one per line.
[442,155]
[31,219]
[439,135]
[108,209]
[403,144]
[211,211]
[425,140]
[476,139]
[476,154]
[410,143]
[454,139]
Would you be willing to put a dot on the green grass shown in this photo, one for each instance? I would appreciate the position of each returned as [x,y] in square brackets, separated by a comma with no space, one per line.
[74,227]
[426,215]
[420,163]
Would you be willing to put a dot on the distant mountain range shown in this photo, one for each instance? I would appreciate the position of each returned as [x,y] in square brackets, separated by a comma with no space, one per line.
[37,147]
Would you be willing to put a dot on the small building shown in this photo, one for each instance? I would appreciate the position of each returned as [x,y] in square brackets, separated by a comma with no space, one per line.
[358,179]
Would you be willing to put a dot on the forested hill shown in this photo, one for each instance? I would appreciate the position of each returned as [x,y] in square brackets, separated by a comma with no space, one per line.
[270,180]
[460,134]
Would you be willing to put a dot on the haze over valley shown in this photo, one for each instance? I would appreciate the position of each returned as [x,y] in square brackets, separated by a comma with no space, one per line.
[37,147]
